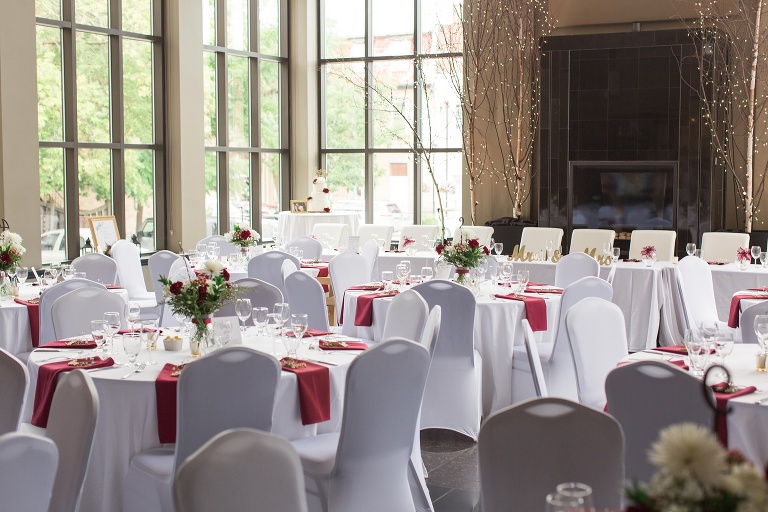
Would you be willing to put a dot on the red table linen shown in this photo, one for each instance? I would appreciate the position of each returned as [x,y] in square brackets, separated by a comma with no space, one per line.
[364,310]
[82,345]
[722,406]
[535,309]
[673,349]
[733,315]
[33,310]
[165,392]
[46,385]
[350,345]
[314,391]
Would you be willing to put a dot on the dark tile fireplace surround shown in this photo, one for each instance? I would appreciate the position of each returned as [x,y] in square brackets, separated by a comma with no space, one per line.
[620,106]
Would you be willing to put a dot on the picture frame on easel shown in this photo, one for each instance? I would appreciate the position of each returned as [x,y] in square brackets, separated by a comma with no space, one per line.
[104,232]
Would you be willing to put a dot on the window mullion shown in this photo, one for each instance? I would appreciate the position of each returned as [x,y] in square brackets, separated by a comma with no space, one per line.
[69,82]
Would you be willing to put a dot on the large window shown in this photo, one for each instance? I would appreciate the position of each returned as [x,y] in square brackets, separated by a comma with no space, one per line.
[246,120]
[390,111]
[100,111]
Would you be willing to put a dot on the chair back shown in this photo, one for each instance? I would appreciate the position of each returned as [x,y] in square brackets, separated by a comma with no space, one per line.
[268,266]
[338,233]
[482,233]
[406,316]
[583,239]
[572,267]
[598,339]
[431,329]
[673,396]
[312,249]
[27,468]
[129,272]
[261,294]
[417,231]
[383,233]
[747,321]
[181,270]
[50,296]
[287,269]
[457,304]
[575,293]
[345,270]
[535,239]
[716,246]
[697,291]
[14,381]
[247,378]
[97,267]
[72,312]
[306,295]
[534,361]
[526,450]
[71,424]
[239,468]
[381,401]
[160,265]
[225,248]
[371,254]
[661,239]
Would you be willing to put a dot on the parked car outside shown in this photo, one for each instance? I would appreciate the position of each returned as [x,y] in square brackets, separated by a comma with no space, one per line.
[54,244]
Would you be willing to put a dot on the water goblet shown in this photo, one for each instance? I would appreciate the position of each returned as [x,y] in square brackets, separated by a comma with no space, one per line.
[216,253]
[132,313]
[578,491]
[293,251]
[556,502]
[55,272]
[111,326]
[48,279]
[243,311]
[615,254]
[607,248]
[402,275]
[690,249]
[698,352]
[493,273]
[66,272]
[407,264]
[274,328]
[522,279]
[498,247]
[97,333]
[763,259]
[426,274]
[387,277]
[425,242]
[506,273]
[755,252]
[549,245]
[300,254]
[299,324]
[150,333]
[284,310]
[723,345]
[21,274]
[260,319]
[709,330]
[761,331]
[132,346]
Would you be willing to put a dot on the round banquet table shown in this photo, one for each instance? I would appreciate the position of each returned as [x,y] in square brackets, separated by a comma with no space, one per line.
[293,225]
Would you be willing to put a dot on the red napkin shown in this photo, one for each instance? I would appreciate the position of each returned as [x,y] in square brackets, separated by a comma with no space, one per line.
[314,391]
[351,345]
[367,287]
[33,310]
[763,289]
[722,404]
[310,333]
[717,262]
[322,266]
[364,310]
[67,344]
[165,392]
[138,329]
[680,363]
[673,349]
[733,315]
[631,260]
[535,310]
[46,385]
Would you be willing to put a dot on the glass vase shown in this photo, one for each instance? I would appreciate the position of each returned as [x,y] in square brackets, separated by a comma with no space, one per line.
[462,276]
[5,284]
[201,338]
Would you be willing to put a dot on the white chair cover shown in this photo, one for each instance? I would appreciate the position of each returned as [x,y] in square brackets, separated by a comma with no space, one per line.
[534,361]
[14,381]
[647,396]
[662,240]
[526,450]
[241,469]
[582,239]
[72,312]
[247,378]
[97,267]
[131,277]
[431,329]
[574,266]
[482,233]
[268,267]
[345,270]
[371,254]
[406,317]
[535,239]
[747,321]
[306,295]
[338,232]
[452,395]
[717,246]
[181,270]
[346,472]
[598,339]
[225,248]
[261,294]
[416,232]
[71,424]
[160,264]
[27,468]
[49,296]
[383,233]
[698,294]
[287,269]
[313,250]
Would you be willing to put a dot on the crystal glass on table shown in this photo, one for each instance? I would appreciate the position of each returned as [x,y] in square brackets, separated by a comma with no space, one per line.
[260,319]
[498,248]
[299,324]
[616,252]
[387,277]
[763,259]
[274,328]
[402,275]
[761,331]
[222,331]
[132,313]
[243,311]
[690,249]
[284,310]
[132,346]
[111,326]
[21,274]
[755,251]
[556,502]
[150,332]
[549,245]
[98,334]
[723,345]
[426,274]
[506,273]
[578,491]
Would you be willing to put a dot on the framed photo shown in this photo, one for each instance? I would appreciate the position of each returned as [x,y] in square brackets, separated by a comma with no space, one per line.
[104,232]
[299,206]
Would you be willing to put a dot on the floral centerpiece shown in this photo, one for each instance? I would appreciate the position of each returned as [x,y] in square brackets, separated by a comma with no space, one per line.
[463,255]
[242,237]
[11,251]
[409,245]
[696,474]
[648,254]
[743,257]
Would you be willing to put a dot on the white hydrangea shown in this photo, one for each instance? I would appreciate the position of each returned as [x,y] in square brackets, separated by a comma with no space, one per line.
[13,241]
[212,267]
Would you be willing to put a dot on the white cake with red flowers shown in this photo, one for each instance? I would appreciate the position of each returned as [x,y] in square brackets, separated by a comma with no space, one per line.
[320,200]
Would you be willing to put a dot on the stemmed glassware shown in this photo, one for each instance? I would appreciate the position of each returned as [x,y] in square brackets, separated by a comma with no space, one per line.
[149,335]
[426,274]
[284,310]
[299,325]
[243,311]
[549,245]
[402,275]
[607,248]
[498,247]
[387,277]
[132,346]
[111,326]
[761,331]
[133,312]
[506,273]
[493,273]
[690,249]
[21,274]
[763,258]
[97,333]
[522,279]
[260,319]
[222,331]
[575,493]
[755,252]
[723,346]
[615,254]
[274,328]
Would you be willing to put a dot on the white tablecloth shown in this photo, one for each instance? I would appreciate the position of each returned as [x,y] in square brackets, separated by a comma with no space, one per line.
[497,329]
[390,260]
[293,225]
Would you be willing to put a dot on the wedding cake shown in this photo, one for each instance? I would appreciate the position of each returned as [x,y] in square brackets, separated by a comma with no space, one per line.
[320,200]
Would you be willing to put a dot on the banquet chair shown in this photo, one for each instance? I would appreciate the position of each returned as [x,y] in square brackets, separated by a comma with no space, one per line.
[718,246]
[49,296]
[694,278]
[261,295]
[572,267]
[588,239]
[382,232]
[160,264]
[72,312]
[247,378]
[346,471]
[131,277]
[241,469]
[345,270]
[71,425]
[306,295]
[431,329]
[288,267]
[534,361]
[14,381]
[663,240]
[313,249]
[535,239]
[452,394]
[417,231]
[484,234]
[747,321]
[27,469]
[648,396]
[268,266]
[225,248]
[97,267]
[527,449]
[598,339]
[338,232]
[371,254]
[406,316]
[487,264]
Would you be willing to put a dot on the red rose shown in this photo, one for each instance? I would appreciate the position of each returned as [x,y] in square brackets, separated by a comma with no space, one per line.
[309,198]
[326,210]
[474,244]
[176,287]
[439,248]
[202,293]
[225,274]
[325,191]
[486,251]
[245,234]
[5,258]
[314,180]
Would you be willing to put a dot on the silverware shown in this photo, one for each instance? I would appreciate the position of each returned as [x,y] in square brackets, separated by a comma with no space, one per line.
[139,369]
[320,362]
[113,367]
[762,400]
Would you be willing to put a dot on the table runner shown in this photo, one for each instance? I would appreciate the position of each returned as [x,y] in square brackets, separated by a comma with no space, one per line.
[722,406]
[165,391]
[364,309]
[733,315]
[47,377]
[33,310]
[365,287]
[535,309]
[314,382]
[348,345]
[76,344]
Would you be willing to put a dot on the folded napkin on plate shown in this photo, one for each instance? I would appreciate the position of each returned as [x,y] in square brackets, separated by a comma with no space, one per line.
[733,314]
[673,349]
[33,310]
[723,393]
[310,333]
[314,389]
[535,309]
[165,393]
[364,309]
[73,343]
[342,345]
[126,331]
[542,289]
[371,287]
[717,262]
[47,376]
[763,289]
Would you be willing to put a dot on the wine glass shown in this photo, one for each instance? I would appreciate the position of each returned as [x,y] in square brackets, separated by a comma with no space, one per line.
[55,272]
[299,327]
[549,245]
[615,254]
[755,252]
[709,330]
[243,311]
[66,272]
[723,345]
[498,247]
[387,277]
[97,333]
[274,328]
[506,273]
[111,326]
[607,248]
[133,312]
[698,353]
[522,279]
[149,334]
[21,274]
[407,264]
[48,279]
[761,330]
[690,248]
[402,274]
[426,274]
[260,319]
[284,310]
[763,259]
[579,491]
[493,273]
[132,346]
[556,502]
